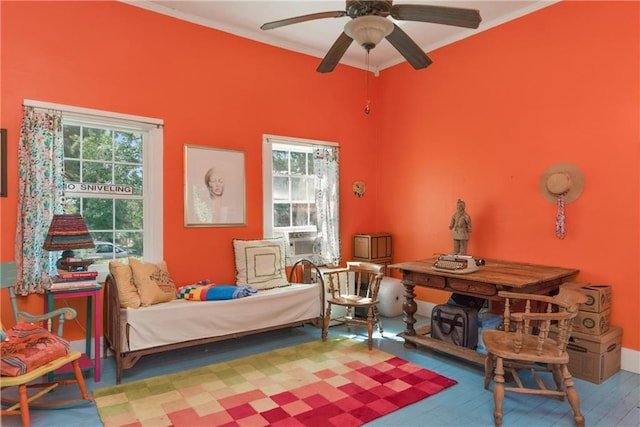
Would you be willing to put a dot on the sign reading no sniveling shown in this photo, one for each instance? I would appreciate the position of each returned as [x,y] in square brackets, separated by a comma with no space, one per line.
[84,187]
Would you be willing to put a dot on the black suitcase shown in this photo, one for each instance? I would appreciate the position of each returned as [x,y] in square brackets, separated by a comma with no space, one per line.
[455,324]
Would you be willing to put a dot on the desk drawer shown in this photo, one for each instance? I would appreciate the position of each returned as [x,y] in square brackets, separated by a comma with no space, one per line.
[469,286]
[425,280]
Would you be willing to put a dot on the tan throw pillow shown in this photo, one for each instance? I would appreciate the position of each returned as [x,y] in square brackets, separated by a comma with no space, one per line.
[260,263]
[153,281]
[127,291]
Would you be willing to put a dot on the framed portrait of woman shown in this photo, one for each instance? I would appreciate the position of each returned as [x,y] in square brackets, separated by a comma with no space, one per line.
[214,187]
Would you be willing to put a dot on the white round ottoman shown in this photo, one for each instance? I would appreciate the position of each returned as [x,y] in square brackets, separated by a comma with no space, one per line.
[391,297]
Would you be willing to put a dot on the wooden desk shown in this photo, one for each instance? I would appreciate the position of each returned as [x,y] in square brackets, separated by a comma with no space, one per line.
[492,277]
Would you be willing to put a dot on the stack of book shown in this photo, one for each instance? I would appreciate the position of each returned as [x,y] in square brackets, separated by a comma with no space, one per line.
[72,280]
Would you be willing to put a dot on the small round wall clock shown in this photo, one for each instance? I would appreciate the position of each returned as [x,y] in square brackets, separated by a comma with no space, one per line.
[358,188]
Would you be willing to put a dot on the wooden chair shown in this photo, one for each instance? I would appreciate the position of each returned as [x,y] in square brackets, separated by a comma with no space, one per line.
[355,286]
[27,380]
[526,343]
[305,271]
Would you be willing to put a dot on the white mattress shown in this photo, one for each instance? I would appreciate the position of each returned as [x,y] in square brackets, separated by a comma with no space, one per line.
[181,320]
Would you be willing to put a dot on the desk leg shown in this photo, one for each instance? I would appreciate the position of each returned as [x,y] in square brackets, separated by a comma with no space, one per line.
[409,308]
[87,342]
[96,334]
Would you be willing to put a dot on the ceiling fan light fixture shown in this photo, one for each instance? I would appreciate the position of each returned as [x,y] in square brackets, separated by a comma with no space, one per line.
[368,30]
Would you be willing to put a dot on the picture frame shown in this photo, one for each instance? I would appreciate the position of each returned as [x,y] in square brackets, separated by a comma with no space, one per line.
[214,187]
[3,163]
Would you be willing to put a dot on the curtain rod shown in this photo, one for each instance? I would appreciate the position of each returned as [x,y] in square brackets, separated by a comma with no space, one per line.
[83,112]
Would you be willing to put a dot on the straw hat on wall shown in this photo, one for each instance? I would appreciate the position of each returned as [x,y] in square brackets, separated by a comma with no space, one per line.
[562,178]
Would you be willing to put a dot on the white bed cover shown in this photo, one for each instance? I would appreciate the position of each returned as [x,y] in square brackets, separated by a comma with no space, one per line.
[180,320]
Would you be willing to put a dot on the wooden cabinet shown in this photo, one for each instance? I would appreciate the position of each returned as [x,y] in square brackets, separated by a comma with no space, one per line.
[376,248]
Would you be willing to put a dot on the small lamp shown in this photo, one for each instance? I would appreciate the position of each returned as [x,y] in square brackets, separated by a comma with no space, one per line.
[368,30]
[68,232]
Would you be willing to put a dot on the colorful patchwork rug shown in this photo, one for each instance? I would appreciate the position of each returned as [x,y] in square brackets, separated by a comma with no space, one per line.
[334,383]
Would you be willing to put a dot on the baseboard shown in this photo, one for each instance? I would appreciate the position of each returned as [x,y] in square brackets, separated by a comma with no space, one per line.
[80,345]
[630,359]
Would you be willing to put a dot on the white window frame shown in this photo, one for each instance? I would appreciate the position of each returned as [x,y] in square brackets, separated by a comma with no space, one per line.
[268,143]
[153,193]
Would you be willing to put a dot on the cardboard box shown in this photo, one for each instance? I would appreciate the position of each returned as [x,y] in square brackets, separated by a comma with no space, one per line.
[592,323]
[595,358]
[598,298]
[372,247]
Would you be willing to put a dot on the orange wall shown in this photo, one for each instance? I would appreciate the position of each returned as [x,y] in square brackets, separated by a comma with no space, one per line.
[210,88]
[491,114]
[481,123]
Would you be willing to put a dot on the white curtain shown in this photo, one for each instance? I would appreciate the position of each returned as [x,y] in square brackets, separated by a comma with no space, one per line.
[40,195]
[326,248]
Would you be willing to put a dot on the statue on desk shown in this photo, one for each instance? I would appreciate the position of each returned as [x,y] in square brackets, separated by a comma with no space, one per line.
[460,227]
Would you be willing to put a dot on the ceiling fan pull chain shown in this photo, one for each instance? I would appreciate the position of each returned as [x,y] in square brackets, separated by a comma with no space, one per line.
[367,108]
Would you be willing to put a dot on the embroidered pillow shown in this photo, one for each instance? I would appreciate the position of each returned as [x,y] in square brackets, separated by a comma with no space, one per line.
[28,347]
[127,291]
[260,263]
[153,282]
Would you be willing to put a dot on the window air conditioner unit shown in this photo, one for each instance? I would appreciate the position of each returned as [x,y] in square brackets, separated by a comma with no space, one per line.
[301,244]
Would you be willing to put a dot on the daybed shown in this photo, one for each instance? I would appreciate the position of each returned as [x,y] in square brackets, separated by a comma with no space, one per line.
[153,327]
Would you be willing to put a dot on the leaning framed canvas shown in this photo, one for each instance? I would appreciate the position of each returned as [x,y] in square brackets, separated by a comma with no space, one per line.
[3,162]
[214,187]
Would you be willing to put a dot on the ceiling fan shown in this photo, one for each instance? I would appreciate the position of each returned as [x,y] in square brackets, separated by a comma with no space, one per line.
[369,25]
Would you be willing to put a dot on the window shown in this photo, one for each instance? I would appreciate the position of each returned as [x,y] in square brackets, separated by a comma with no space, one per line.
[293,193]
[104,169]
[289,191]
[113,177]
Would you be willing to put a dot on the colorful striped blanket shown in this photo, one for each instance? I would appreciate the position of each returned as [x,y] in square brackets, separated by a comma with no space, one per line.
[29,347]
[207,291]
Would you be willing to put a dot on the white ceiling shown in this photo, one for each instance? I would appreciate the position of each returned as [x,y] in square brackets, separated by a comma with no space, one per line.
[244,18]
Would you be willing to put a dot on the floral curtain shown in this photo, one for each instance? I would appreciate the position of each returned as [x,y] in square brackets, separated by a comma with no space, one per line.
[326,248]
[40,195]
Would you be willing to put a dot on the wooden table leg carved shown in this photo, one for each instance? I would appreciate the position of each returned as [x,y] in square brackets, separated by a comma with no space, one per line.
[409,308]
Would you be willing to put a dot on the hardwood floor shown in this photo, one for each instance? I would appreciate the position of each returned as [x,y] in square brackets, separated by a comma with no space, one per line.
[616,402]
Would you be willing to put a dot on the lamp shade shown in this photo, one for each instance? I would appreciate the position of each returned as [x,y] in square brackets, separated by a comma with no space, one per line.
[368,30]
[67,232]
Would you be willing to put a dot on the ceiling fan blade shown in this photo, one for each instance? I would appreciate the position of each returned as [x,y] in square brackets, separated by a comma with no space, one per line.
[334,55]
[303,18]
[408,48]
[469,18]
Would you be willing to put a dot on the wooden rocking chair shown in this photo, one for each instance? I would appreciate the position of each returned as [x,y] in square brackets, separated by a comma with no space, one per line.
[527,344]
[25,329]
